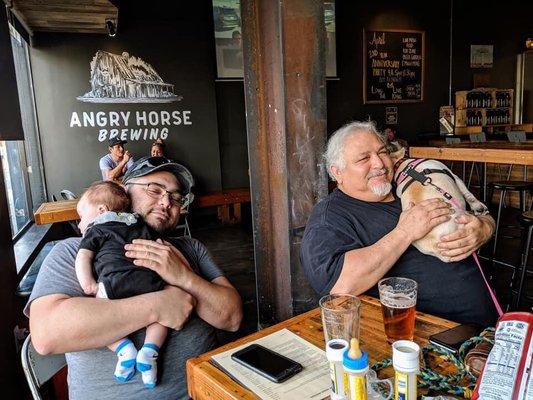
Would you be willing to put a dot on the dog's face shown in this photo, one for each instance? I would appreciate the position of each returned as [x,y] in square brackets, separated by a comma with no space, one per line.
[397,151]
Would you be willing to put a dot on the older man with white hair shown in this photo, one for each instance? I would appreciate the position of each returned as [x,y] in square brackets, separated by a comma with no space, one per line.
[359,234]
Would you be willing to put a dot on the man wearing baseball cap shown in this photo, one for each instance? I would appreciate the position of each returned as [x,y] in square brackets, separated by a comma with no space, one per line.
[198,298]
[117,162]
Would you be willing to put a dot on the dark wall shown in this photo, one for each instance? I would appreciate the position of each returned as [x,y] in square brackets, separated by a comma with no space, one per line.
[232,134]
[506,26]
[176,39]
[345,96]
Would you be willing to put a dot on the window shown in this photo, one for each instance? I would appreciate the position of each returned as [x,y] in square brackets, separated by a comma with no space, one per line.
[16,188]
[21,160]
[228,38]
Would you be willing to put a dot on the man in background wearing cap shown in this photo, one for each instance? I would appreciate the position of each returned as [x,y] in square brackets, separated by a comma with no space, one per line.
[198,297]
[117,162]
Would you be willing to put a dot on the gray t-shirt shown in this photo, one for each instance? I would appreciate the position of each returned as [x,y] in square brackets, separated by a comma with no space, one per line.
[90,373]
[107,163]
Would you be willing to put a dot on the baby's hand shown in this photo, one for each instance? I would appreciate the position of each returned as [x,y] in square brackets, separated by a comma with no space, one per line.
[90,289]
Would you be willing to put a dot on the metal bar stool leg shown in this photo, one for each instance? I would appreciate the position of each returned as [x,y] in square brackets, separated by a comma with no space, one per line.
[498,217]
[523,271]
[470,175]
[483,182]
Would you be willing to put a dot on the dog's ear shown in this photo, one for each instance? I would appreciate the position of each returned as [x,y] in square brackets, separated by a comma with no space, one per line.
[397,153]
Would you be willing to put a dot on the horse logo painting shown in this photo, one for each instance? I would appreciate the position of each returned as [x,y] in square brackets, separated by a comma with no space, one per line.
[126,79]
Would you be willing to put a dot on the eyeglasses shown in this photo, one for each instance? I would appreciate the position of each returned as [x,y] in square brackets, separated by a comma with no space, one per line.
[157,191]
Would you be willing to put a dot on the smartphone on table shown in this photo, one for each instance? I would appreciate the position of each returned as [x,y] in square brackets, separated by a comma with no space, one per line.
[453,338]
[267,363]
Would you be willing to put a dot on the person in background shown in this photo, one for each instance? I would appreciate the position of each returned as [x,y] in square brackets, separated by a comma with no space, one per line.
[115,164]
[158,149]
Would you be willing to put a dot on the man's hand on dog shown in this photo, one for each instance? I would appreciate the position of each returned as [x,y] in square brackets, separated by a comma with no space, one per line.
[468,238]
[417,220]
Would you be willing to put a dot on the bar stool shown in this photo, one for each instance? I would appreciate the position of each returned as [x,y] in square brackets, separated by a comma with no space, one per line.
[507,186]
[526,220]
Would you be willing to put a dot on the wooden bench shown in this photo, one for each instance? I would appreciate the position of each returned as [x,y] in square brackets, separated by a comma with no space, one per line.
[228,203]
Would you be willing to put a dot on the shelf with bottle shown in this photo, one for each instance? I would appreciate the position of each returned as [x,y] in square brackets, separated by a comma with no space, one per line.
[484,107]
[483,117]
[484,98]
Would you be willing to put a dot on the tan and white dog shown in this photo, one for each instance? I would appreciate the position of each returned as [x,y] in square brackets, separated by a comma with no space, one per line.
[439,182]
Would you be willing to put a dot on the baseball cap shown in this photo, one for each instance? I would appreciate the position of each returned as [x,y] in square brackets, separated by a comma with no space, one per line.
[147,165]
[116,140]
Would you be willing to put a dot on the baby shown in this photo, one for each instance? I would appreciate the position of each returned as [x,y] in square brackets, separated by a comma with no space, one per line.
[106,227]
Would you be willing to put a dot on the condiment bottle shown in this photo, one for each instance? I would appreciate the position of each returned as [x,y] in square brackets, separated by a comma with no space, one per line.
[355,365]
[335,349]
[405,361]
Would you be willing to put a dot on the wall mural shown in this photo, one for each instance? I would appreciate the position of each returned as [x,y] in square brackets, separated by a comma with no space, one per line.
[126,79]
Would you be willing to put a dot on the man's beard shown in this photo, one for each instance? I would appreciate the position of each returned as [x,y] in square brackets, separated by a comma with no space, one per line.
[158,225]
[380,189]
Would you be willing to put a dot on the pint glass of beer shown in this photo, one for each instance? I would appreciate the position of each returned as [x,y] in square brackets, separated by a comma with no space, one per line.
[398,303]
[340,316]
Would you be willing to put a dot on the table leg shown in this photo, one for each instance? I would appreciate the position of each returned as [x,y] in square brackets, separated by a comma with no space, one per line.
[237,212]
[484,182]
[224,213]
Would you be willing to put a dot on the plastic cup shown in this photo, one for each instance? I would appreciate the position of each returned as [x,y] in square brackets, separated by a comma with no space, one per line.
[340,316]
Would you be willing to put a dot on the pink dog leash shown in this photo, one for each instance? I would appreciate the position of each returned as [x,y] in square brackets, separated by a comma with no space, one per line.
[491,292]
[409,171]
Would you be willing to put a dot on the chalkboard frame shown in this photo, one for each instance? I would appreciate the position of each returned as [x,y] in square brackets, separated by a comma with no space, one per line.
[365,60]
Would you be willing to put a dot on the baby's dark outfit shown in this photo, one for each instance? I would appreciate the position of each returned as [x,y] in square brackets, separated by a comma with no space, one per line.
[106,237]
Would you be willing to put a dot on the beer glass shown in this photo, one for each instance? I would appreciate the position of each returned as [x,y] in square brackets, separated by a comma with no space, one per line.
[340,316]
[398,302]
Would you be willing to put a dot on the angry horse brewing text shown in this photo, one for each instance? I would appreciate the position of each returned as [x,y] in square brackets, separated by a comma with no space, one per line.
[131,126]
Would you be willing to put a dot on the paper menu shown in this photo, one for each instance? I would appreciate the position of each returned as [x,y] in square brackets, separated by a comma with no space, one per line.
[313,382]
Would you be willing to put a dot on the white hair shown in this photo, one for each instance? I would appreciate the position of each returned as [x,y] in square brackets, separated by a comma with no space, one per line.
[334,155]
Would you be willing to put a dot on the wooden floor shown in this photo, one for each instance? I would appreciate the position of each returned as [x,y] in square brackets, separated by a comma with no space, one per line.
[233,251]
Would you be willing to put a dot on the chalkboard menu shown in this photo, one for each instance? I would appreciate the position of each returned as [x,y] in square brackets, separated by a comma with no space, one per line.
[393,70]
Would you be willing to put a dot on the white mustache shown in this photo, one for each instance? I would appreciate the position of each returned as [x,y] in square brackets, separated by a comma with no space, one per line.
[379,172]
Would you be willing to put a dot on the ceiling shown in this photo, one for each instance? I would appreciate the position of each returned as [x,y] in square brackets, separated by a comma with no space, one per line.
[75,16]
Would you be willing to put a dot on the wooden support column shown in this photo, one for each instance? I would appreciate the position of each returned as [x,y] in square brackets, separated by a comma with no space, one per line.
[284,79]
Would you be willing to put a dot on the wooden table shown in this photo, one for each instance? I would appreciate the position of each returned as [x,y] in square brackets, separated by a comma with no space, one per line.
[497,153]
[56,211]
[205,381]
[488,152]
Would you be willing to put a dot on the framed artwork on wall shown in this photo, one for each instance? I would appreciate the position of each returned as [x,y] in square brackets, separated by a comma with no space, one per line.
[228,38]
[481,56]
